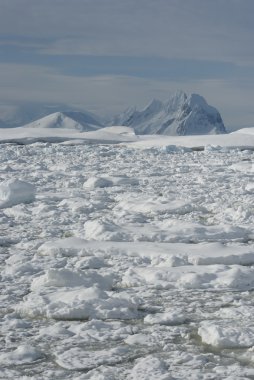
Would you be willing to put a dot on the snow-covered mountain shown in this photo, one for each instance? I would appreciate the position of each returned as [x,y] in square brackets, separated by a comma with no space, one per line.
[67,120]
[180,115]
[23,114]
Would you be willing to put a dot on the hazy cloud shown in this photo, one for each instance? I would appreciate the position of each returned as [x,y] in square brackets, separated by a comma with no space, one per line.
[196,29]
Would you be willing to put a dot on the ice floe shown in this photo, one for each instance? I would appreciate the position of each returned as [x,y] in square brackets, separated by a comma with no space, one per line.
[166,254]
[15,191]
[222,336]
[170,317]
[22,355]
[150,368]
[78,358]
[79,303]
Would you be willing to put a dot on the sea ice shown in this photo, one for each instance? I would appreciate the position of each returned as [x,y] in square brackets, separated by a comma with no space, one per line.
[104,230]
[160,255]
[169,253]
[102,331]
[15,191]
[226,336]
[22,355]
[97,182]
[191,277]
[141,340]
[170,317]
[68,278]
[154,205]
[79,303]
[149,368]
[79,358]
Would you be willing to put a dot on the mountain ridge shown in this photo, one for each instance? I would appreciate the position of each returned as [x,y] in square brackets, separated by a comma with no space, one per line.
[12,116]
[181,114]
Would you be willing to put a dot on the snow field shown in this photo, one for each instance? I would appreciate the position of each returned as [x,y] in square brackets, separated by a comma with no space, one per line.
[126,264]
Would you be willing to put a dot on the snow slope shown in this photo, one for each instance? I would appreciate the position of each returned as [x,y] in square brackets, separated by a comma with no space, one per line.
[243,138]
[66,120]
[179,115]
[28,135]
[12,116]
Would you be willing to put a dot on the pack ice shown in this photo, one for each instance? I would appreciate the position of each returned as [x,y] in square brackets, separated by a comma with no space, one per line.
[133,258]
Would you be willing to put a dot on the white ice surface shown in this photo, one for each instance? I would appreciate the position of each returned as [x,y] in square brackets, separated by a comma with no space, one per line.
[69,278]
[117,134]
[22,355]
[77,358]
[170,317]
[226,336]
[28,135]
[148,277]
[78,304]
[157,254]
[14,191]
[149,368]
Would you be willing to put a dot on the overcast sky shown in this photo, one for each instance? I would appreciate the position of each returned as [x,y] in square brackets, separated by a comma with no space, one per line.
[106,55]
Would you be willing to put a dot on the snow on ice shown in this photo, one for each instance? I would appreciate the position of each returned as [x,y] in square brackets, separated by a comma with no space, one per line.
[124,257]
[14,191]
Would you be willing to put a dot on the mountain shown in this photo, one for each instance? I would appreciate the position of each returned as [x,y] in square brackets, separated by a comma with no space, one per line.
[18,115]
[67,120]
[179,115]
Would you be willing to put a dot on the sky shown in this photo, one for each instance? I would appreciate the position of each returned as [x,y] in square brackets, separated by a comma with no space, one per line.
[106,55]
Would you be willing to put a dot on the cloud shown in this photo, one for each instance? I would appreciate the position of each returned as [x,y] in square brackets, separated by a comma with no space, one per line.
[193,29]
